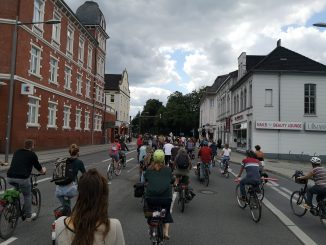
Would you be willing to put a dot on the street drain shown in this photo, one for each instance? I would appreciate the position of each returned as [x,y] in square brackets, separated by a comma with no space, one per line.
[207,192]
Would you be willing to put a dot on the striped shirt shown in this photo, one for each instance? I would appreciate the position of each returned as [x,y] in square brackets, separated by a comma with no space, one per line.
[319,176]
[251,166]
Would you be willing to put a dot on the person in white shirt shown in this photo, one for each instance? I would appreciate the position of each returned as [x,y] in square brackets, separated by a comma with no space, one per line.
[226,153]
[167,151]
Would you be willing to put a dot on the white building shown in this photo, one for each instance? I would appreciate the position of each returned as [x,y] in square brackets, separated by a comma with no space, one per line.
[278,102]
[117,96]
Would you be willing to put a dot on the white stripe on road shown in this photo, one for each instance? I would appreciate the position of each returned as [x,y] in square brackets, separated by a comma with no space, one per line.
[130,152]
[173,201]
[287,190]
[137,166]
[280,192]
[10,240]
[45,179]
[303,237]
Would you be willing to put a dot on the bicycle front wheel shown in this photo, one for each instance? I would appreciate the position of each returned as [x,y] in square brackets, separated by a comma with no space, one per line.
[242,204]
[206,176]
[36,202]
[322,213]
[255,207]
[296,201]
[9,220]
[117,171]
[109,172]
[3,184]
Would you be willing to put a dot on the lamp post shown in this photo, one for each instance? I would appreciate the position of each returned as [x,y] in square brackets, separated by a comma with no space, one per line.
[12,75]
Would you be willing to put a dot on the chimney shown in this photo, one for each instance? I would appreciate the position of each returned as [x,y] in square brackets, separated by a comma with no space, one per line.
[278,43]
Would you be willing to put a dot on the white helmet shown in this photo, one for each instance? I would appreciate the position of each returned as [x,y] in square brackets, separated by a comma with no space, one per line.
[315,160]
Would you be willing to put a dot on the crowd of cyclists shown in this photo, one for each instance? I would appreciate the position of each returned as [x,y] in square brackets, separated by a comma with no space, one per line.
[163,160]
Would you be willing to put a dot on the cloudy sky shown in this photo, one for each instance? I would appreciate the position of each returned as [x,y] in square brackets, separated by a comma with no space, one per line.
[181,45]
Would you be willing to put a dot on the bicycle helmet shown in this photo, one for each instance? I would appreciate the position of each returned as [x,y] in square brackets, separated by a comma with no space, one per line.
[159,156]
[315,160]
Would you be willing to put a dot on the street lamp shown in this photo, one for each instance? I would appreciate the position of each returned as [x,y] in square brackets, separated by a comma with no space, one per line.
[320,24]
[12,75]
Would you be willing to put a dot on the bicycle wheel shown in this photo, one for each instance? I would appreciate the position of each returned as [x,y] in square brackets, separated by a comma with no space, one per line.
[36,202]
[261,192]
[9,220]
[182,200]
[296,201]
[109,172]
[160,233]
[255,207]
[322,213]
[206,181]
[117,171]
[3,184]
[242,204]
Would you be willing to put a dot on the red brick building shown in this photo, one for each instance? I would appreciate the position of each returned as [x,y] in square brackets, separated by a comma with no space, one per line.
[63,67]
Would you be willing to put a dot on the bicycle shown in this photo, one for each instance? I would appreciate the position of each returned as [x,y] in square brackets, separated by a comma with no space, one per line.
[3,184]
[206,172]
[225,168]
[13,210]
[298,198]
[251,200]
[123,159]
[155,221]
[112,169]
[182,190]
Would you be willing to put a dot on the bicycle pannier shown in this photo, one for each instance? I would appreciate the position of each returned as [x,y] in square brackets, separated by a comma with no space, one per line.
[139,189]
[63,173]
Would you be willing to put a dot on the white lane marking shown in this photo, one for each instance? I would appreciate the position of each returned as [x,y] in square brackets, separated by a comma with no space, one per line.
[273,183]
[45,179]
[280,192]
[173,201]
[130,159]
[10,240]
[137,166]
[130,152]
[286,190]
[303,237]
[106,160]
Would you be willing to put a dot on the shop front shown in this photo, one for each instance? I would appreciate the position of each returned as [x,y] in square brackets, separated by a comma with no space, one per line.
[241,134]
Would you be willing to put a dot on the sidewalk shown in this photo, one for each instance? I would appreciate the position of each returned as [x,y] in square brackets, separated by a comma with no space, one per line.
[284,168]
[52,155]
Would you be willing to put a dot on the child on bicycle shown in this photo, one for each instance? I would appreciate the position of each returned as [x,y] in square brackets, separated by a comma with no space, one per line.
[318,174]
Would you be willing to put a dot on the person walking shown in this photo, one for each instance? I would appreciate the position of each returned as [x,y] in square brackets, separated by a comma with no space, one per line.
[20,171]
[89,223]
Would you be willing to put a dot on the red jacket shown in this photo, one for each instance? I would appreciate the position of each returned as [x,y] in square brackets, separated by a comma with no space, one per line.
[205,154]
[139,141]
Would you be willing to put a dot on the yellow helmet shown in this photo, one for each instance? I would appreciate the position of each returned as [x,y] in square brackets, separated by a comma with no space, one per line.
[159,156]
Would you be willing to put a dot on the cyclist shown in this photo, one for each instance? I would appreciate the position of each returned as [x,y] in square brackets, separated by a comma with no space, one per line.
[19,173]
[158,190]
[123,150]
[225,154]
[260,156]
[205,154]
[114,152]
[69,190]
[213,146]
[251,165]
[190,145]
[318,173]
[167,151]
[142,154]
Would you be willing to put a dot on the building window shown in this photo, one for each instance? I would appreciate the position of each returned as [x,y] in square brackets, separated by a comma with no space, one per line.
[268,97]
[35,61]
[211,102]
[89,57]
[238,104]
[86,120]
[79,84]
[88,88]
[70,41]
[100,67]
[33,111]
[245,99]
[98,94]
[56,28]
[67,78]
[66,117]
[38,15]
[53,70]
[310,99]
[241,101]
[112,98]
[97,122]
[52,117]
[78,119]
[81,50]
[235,104]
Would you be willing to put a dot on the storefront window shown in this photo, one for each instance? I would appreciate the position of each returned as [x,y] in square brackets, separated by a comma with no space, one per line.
[240,134]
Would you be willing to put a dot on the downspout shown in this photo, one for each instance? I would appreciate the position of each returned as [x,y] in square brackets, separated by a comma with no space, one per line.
[279,114]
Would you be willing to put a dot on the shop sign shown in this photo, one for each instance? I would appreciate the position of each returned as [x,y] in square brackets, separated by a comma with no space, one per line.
[279,125]
[227,124]
[238,118]
[315,126]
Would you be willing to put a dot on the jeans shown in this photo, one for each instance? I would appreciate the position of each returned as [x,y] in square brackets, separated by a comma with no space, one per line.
[202,165]
[65,192]
[316,189]
[26,188]
[247,181]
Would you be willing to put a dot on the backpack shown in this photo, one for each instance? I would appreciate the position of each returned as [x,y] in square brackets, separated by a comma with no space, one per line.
[182,161]
[63,173]
[139,189]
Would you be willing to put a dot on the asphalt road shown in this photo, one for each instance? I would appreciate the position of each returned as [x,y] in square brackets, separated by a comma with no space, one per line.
[212,217]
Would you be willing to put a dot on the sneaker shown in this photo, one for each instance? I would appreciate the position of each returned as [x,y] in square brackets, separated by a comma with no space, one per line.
[306,206]
[33,217]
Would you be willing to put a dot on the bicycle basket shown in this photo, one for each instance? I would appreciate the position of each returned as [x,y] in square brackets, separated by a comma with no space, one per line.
[301,181]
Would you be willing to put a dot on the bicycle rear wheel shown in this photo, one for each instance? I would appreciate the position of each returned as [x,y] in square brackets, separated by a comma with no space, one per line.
[322,213]
[206,181]
[242,204]
[181,200]
[36,202]
[9,220]
[255,207]
[296,201]
[109,172]
[3,184]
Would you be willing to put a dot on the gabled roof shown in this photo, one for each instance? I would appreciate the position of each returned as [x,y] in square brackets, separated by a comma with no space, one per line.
[283,60]
[112,81]
[252,60]
[217,83]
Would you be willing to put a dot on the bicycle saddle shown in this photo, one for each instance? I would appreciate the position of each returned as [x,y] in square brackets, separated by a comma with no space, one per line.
[14,185]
